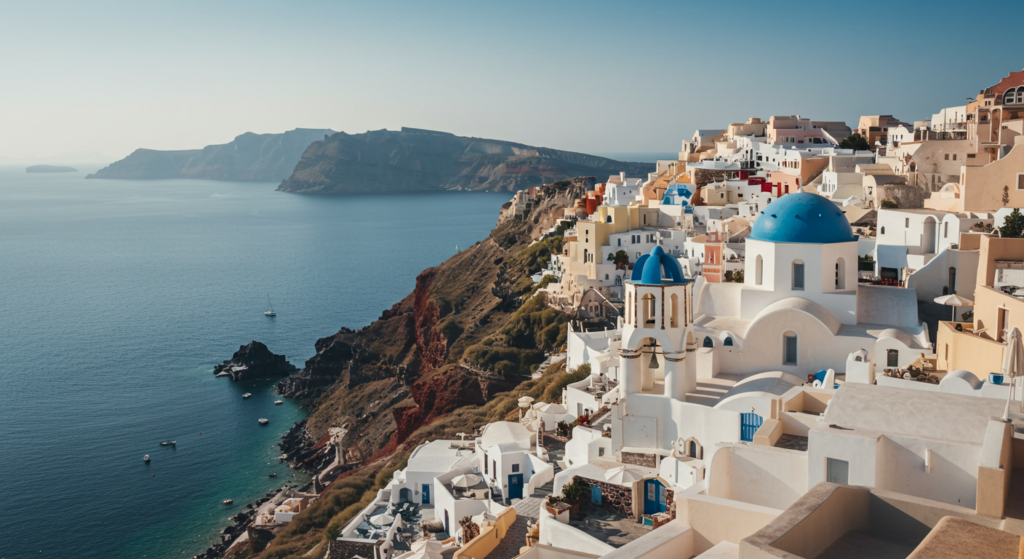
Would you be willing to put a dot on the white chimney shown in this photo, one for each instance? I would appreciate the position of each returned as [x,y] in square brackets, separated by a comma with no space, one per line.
[622,175]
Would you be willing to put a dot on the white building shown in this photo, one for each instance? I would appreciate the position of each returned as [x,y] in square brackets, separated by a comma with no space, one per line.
[907,240]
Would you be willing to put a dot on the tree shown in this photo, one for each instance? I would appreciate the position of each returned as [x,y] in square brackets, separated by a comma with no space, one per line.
[1013,225]
[621,260]
[1006,196]
[890,205]
[855,141]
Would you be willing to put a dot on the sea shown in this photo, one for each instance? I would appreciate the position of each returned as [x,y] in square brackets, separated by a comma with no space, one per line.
[118,297]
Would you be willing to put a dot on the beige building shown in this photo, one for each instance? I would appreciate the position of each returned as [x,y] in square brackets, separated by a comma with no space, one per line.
[875,129]
[981,188]
[978,346]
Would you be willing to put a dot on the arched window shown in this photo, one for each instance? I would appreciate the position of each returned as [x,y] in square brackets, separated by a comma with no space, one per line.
[840,274]
[608,219]
[789,348]
[798,275]
[758,270]
[1020,95]
[708,342]
[647,304]
[674,310]
[586,255]
[1009,96]
[728,341]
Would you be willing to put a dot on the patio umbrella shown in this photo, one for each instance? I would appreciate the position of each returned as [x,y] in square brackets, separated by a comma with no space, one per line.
[1013,364]
[382,519]
[551,408]
[954,300]
[623,475]
[426,549]
[465,481]
[525,400]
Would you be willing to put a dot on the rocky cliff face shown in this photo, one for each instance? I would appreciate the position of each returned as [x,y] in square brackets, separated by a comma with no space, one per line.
[404,370]
[254,361]
[412,160]
[249,157]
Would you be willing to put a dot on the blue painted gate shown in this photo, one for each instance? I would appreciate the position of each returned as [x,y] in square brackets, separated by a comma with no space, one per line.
[595,494]
[426,493]
[655,497]
[749,423]
[515,486]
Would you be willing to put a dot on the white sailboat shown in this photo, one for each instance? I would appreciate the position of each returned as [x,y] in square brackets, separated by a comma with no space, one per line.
[270,311]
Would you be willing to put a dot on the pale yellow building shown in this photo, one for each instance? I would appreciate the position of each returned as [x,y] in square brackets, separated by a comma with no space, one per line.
[978,346]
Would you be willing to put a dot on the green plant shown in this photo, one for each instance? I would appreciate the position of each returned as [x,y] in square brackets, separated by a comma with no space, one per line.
[1006,196]
[572,491]
[621,260]
[855,141]
[890,204]
[1013,225]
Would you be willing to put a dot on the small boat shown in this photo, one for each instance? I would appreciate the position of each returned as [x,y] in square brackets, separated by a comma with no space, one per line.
[278,402]
[145,458]
[227,501]
[270,308]
[264,421]
[272,474]
[247,394]
[168,443]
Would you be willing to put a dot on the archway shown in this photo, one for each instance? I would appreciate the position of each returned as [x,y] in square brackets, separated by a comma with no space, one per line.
[649,312]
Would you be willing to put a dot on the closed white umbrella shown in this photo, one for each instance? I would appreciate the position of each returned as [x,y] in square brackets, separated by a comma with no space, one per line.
[1013,364]
[954,300]
[382,519]
[465,481]
[623,475]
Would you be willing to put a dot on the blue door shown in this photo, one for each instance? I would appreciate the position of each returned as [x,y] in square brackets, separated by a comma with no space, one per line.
[595,494]
[749,422]
[655,497]
[515,486]
[426,493]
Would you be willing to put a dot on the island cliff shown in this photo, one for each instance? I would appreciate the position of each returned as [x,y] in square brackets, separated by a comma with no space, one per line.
[413,160]
[455,354]
[254,361]
[249,157]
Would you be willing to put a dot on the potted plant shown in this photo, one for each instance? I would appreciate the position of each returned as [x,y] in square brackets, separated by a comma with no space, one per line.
[571,494]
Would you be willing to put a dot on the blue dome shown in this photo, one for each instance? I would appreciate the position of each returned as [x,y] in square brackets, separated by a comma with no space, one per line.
[802,218]
[648,269]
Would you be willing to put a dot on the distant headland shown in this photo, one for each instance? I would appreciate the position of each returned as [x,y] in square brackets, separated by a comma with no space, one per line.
[320,161]
[50,169]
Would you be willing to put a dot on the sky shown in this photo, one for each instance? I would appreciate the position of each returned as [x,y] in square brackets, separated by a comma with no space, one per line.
[108,77]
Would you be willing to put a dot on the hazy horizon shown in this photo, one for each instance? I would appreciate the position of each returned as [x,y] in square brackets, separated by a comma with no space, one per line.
[596,77]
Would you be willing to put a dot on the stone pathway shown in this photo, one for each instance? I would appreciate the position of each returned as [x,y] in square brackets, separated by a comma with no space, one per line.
[515,539]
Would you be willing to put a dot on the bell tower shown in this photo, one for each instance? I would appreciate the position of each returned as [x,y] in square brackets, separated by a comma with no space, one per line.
[658,315]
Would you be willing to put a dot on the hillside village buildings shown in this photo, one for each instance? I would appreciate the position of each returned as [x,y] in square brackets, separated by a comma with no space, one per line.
[794,350]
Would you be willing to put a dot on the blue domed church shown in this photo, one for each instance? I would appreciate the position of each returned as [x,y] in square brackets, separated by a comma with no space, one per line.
[702,361]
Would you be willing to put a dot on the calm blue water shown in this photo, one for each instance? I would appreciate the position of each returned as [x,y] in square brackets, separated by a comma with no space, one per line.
[116,300]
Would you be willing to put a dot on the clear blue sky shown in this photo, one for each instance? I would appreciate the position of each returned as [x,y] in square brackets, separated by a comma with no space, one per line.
[592,76]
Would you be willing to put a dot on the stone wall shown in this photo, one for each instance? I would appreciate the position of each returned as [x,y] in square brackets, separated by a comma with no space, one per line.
[704,177]
[640,459]
[615,498]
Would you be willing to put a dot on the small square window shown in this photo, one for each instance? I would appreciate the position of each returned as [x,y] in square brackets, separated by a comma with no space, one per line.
[1020,181]
[600,451]
[515,468]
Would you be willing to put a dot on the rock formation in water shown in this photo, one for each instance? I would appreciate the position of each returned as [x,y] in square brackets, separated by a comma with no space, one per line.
[413,160]
[50,169]
[249,157]
[254,361]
